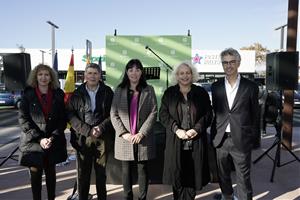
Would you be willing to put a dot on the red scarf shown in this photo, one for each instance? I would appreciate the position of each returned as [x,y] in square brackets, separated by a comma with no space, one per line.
[45,102]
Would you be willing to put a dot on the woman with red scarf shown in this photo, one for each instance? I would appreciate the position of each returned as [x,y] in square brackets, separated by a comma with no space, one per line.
[43,121]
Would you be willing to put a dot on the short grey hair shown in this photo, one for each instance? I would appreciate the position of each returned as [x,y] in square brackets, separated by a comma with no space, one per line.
[94,66]
[232,52]
[189,65]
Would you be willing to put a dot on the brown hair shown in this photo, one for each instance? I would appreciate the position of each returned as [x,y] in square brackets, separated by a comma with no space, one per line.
[32,79]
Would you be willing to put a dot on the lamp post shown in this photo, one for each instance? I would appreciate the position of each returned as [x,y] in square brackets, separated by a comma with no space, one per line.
[281,28]
[53,27]
[43,52]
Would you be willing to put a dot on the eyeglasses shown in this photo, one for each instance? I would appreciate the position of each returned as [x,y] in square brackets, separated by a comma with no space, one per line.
[231,62]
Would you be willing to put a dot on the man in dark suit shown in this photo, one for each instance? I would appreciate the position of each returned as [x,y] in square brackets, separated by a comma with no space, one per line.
[235,126]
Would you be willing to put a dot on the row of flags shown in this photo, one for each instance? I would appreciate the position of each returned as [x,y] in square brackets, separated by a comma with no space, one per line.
[70,79]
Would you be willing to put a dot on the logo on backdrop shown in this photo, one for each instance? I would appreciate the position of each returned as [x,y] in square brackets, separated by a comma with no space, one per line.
[197,59]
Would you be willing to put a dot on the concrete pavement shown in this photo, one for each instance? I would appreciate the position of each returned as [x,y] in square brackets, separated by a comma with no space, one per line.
[14,180]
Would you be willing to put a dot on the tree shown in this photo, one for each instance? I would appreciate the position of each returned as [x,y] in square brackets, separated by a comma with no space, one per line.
[260,52]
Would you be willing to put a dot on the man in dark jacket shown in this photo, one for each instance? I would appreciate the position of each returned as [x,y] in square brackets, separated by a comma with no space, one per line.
[91,132]
[235,126]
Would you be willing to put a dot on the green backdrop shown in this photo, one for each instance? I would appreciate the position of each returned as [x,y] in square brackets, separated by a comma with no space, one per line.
[120,49]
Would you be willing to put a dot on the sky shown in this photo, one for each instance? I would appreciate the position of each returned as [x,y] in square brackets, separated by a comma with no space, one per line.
[213,24]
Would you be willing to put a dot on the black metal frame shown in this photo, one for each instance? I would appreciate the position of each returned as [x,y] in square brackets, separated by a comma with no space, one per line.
[277,142]
[10,156]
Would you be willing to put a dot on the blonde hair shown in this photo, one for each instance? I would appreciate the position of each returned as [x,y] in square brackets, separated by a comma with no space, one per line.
[189,65]
[32,79]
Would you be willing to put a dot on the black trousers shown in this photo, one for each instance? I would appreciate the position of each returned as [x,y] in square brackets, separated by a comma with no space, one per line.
[127,177]
[227,154]
[186,191]
[36,181]
[86,158]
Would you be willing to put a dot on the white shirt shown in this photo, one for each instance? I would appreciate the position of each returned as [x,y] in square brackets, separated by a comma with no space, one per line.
[92,94]
[231,93]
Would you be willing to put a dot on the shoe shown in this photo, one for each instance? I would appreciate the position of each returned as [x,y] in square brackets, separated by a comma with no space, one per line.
[90,197]
[263,133]
[76,197]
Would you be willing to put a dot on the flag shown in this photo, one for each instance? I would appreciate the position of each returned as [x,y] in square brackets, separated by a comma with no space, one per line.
[100,66]
[88,60]
[70,80]
[55,62]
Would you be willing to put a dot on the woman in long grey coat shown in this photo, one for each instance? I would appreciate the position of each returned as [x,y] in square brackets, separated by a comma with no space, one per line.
[185,112]
[133,114]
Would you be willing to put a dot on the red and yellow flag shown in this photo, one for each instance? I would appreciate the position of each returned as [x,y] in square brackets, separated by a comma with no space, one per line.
[70,80]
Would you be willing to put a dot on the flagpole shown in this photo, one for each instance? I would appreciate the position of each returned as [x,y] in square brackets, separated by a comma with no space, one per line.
[55,63]
[53,27]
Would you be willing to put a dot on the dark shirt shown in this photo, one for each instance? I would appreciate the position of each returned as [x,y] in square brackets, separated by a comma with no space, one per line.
[186,122]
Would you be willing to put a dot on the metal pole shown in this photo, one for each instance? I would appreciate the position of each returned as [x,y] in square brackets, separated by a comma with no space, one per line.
[281,36]
[281,43]
[53,44]
[291,44]
[53,27]
[42,55]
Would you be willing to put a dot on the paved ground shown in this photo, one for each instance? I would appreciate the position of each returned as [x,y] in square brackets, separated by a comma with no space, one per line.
[14,180]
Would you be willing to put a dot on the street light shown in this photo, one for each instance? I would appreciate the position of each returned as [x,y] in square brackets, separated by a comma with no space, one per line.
[53,26]
[282,35]
[42,55]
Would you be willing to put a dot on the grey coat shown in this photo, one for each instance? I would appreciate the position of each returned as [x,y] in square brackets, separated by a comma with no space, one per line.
[147,113]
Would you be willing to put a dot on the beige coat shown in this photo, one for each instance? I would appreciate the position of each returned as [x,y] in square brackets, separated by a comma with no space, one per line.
[147,114]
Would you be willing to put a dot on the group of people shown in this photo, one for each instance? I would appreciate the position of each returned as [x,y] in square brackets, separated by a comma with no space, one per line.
[101,119]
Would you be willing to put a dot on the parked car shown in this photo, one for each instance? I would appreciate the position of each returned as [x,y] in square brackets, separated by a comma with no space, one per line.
[206,86]
[297,97]
[8,98]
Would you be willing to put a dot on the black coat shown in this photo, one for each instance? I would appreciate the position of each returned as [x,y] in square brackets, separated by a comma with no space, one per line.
[35,127]
[243,116]
[83,120]
[171,116]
